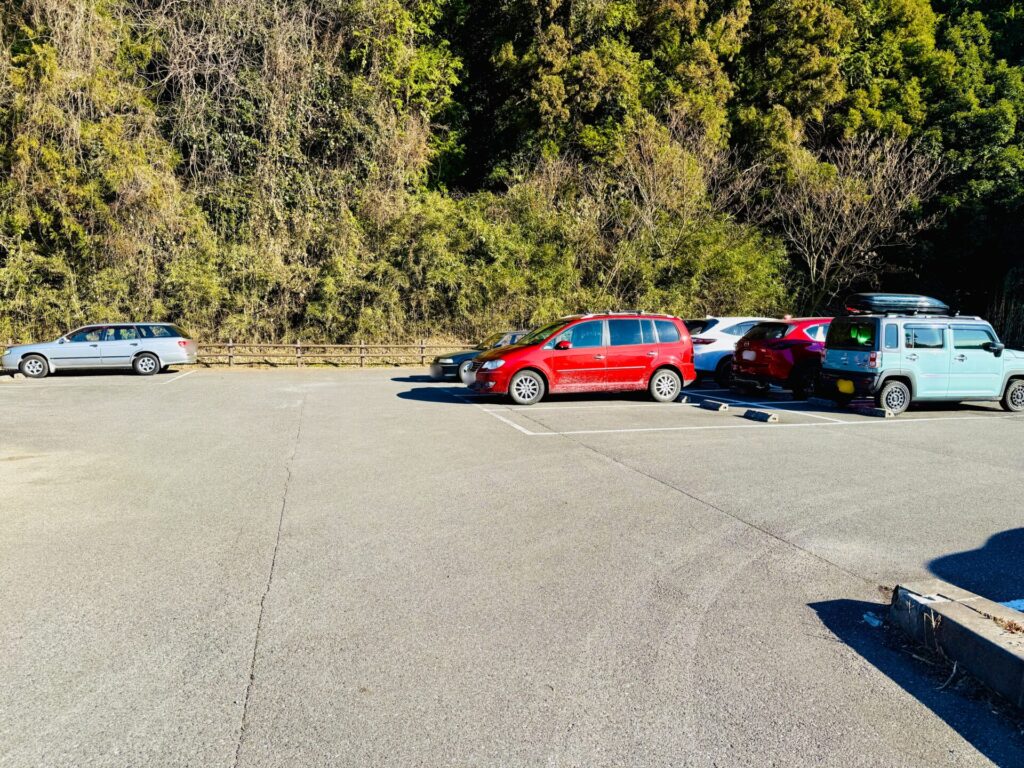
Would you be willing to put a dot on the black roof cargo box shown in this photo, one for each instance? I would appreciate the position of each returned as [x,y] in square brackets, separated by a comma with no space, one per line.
[895,303]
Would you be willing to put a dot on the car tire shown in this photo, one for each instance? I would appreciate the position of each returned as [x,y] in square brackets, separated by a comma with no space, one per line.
[804,382]
[1013,397]
[34,367]
[526,388]
[463,373]
[146,364]
[723,373]
[893,396]
[665,385]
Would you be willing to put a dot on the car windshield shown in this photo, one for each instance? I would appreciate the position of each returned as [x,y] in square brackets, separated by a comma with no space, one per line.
[492,341]
[537,336]
[767,331]
[853,334]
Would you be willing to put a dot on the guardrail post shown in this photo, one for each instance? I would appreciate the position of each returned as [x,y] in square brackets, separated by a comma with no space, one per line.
[362,355]
[423,351]
[231,353]
[298,354]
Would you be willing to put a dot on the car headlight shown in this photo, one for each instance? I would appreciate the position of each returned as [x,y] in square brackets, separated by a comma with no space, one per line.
[492,365]
[445,361]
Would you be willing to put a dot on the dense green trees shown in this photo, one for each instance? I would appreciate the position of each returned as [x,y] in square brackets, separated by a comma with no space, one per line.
[331,169]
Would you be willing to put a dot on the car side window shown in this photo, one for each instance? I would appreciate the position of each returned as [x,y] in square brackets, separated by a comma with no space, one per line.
[971,338]
[647,327]
[892,336]
[91,334]
[125,334]
[584,335]
[155,332]
[625,332]
[668,333]
[924,337]
[817,332]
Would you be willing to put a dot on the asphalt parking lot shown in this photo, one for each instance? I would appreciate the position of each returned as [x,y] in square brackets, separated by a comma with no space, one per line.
[357,568]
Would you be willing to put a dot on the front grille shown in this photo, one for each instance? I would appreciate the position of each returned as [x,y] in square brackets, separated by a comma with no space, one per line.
[476,366]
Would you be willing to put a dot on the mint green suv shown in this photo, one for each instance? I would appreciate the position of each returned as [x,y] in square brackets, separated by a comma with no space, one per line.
[902,359]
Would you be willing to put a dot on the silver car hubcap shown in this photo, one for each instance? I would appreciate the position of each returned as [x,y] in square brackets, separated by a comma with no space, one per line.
[34,367]
[665,385]
[1017,397]
[526,388]
[146,365]
[895,399]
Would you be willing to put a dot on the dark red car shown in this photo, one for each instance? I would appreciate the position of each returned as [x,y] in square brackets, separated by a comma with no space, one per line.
[783,352]
[616,351]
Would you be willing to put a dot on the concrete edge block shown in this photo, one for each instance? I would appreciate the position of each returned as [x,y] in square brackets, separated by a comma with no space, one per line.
[768,418]
[713,405]
[976,633]
[867,410]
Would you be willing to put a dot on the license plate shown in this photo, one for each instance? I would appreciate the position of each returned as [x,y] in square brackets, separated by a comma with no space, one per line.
[750,355]
[845,386]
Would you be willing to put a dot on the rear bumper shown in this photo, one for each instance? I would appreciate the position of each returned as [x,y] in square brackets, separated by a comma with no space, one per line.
[863,383]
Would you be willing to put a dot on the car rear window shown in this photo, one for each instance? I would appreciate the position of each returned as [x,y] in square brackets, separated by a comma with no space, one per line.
[700,326]
[767,331]
[668,333]
[852,333]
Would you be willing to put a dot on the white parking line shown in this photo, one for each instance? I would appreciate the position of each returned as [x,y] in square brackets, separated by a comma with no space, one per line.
[714,427]
[772,406]
[179,376]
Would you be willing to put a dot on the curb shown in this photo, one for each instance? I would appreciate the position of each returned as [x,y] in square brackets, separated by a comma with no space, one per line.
[768,418]
[978,634]
[713,405]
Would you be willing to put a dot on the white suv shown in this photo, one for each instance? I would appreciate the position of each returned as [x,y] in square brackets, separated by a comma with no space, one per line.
[714,342]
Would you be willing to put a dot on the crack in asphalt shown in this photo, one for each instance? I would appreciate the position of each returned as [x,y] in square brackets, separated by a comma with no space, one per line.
[709,505]
[243,729]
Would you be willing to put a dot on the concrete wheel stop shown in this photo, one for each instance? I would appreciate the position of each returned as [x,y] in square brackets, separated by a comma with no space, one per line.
[768,418]
[983,637]
[713,405]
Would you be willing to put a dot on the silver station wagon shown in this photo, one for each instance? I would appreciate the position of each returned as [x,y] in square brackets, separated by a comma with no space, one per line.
[144,347]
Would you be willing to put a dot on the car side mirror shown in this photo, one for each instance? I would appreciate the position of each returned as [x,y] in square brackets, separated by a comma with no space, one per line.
[564,344]
[61,340]
[995,347]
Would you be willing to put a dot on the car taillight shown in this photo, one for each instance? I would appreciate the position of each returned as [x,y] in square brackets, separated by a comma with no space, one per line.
[183,343]
[697,340]
[873,360]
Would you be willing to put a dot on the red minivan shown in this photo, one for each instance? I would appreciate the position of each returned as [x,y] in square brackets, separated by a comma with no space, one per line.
[608,352]
[783,352]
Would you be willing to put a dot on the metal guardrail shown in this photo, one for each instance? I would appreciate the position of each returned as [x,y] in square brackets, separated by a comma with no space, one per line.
[361,353]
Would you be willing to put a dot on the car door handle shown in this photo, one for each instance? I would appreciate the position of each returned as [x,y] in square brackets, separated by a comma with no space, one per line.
[599,357]
[960,358]
[652,354]
[911,358]
[135,344]
[94,345]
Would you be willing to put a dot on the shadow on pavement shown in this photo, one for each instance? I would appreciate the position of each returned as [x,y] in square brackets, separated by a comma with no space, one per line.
[420,378]
[994,570]
[963,706]
[445,394]
[91,373]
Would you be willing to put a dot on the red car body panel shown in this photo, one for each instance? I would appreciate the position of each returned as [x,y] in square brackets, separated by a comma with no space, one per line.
[605,368]
[772,361]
